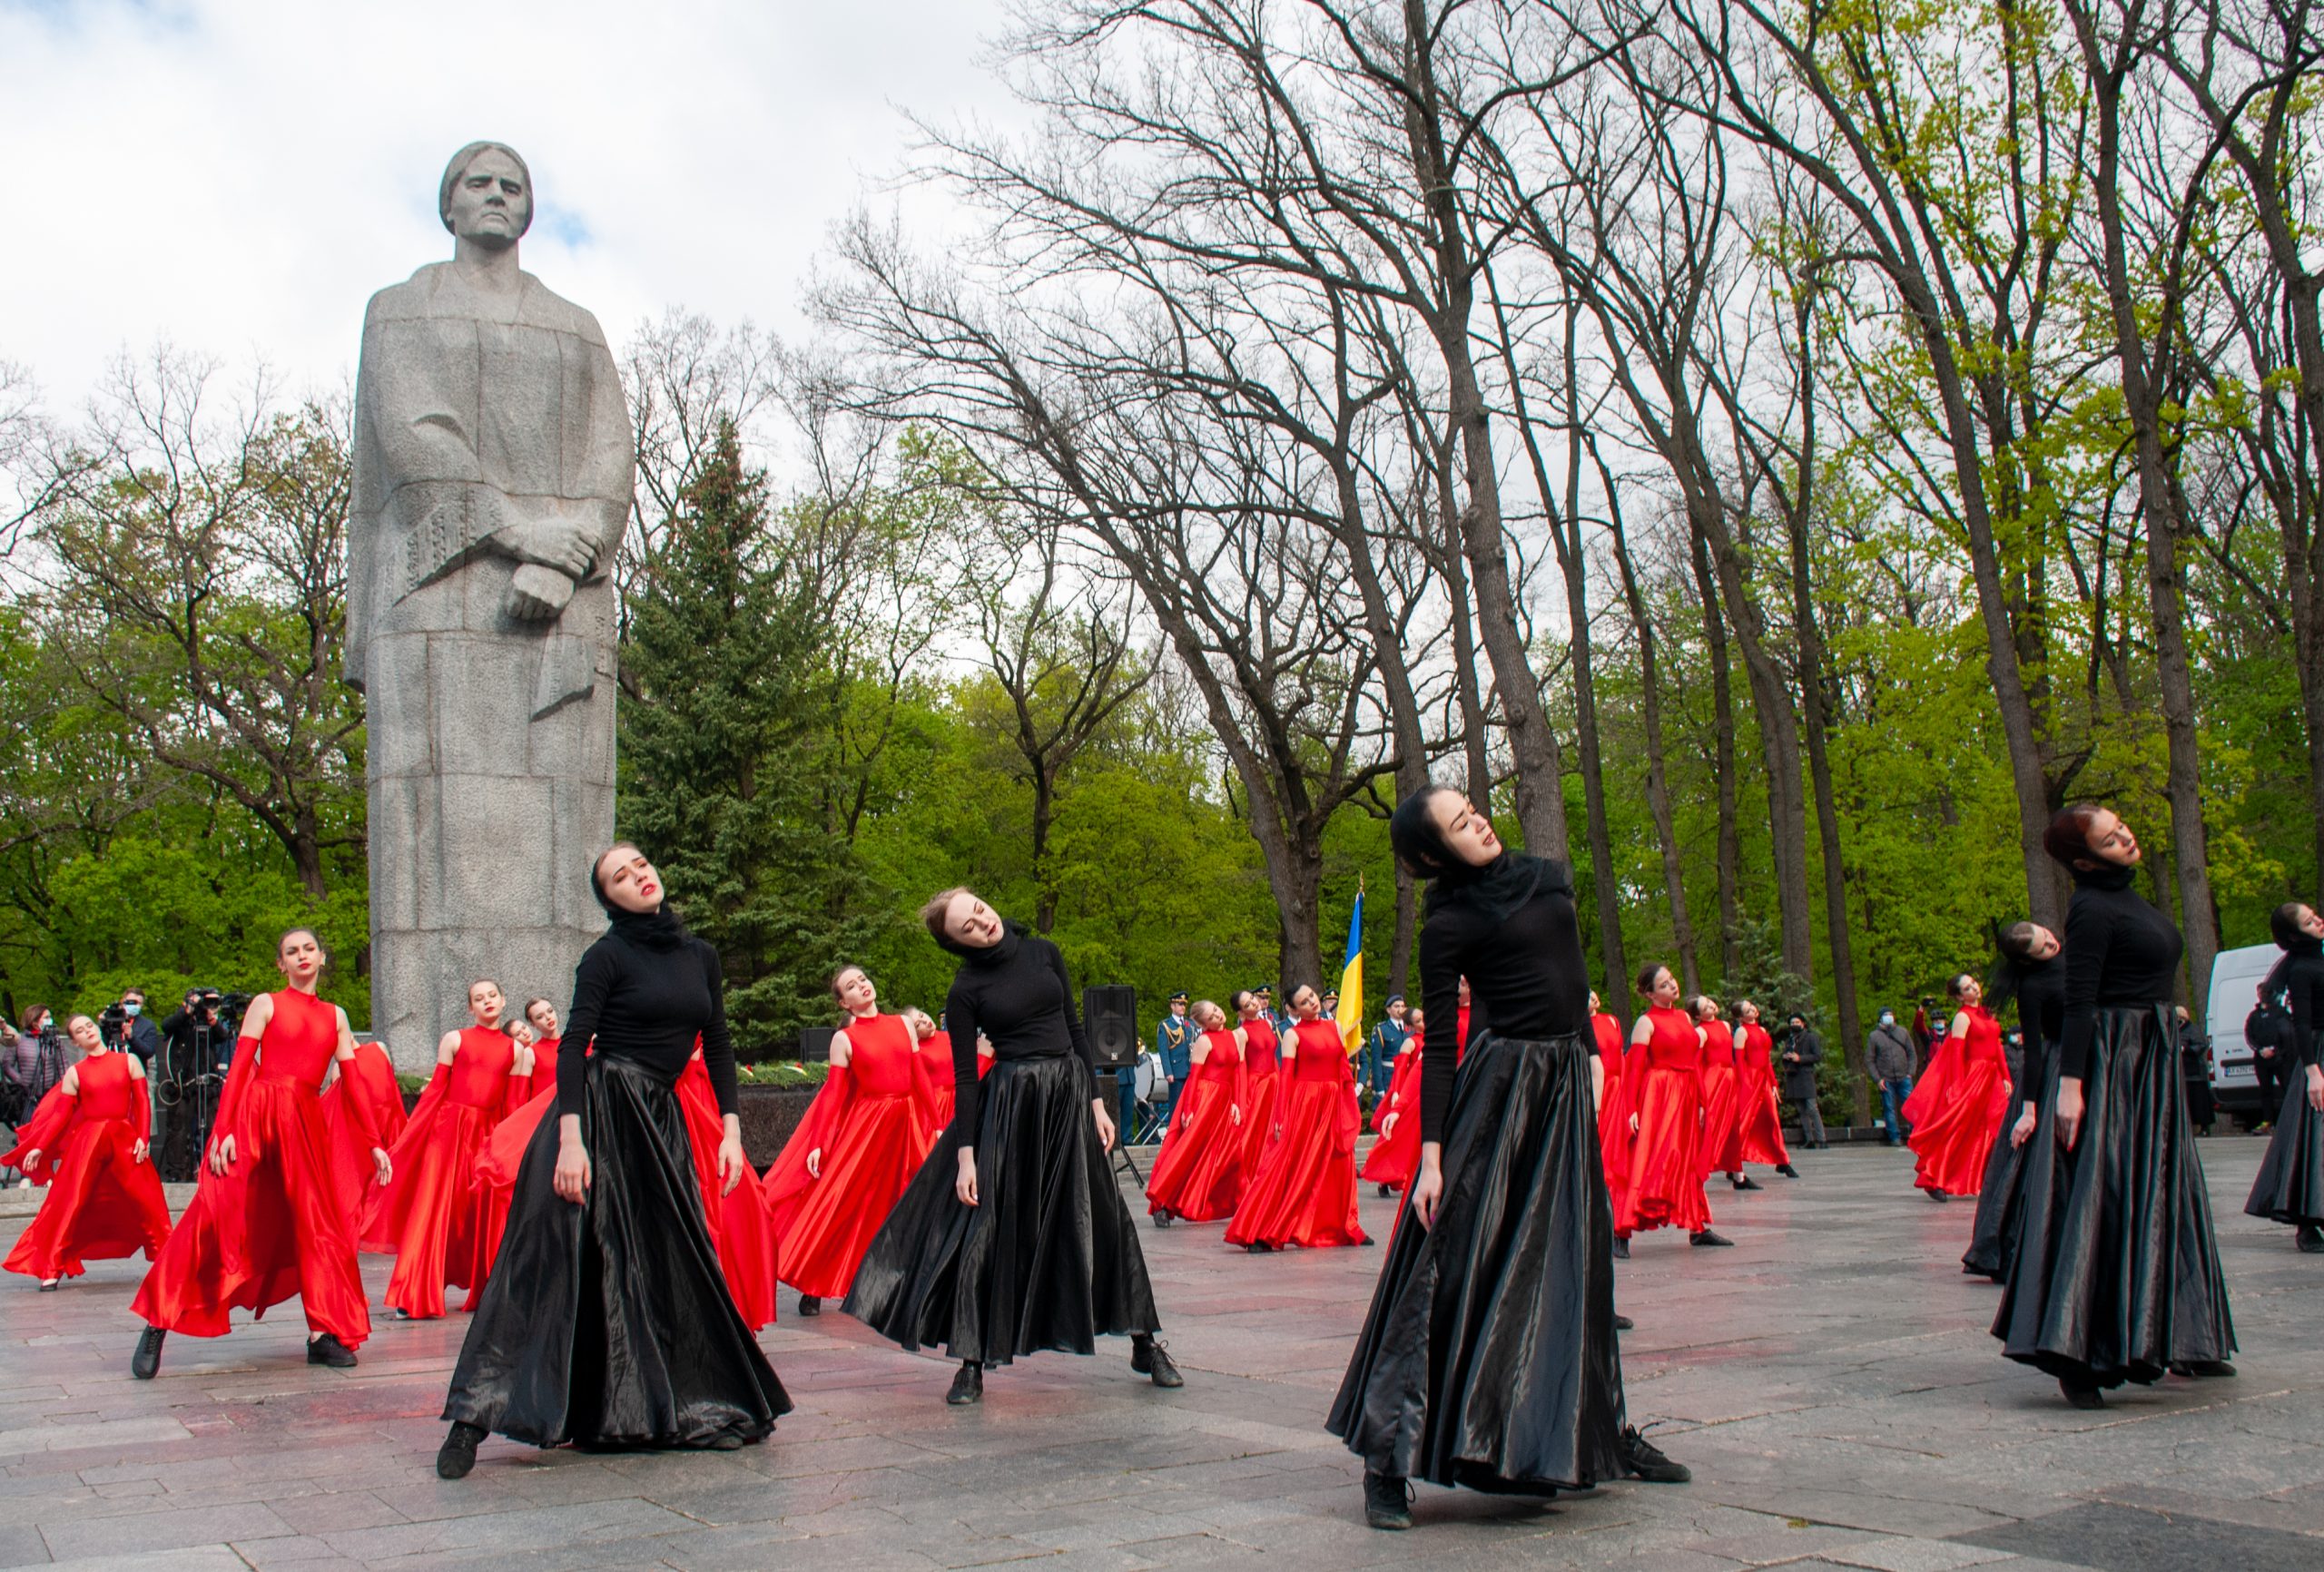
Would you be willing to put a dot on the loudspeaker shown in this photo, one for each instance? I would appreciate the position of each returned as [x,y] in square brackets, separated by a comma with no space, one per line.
[1110,1018]
[815,1045]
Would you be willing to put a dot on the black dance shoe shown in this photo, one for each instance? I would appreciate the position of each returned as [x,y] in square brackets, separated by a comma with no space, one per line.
[49,1286]
[1162,1218]
[1621,1247]
[1936,1196]
[1624,1323]
[1150,1357]
[1787,1170]
[1387,1501]
[1386,1191]
[2309,1240]
[327,1350]
[2080,1394]
[809,1304]
[1744,1181]
[968,1385]
[1706,1237]
[457,1456]
[146,1362]
[1258,1247]
[1642,1459]
[2203,1370]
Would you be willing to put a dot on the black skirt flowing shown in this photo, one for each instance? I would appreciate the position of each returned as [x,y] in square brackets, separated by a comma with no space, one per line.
[2001,1203]
[1048,1258]
[2117,1273]
[610,1323]
[1489,1359]
[2291,1184]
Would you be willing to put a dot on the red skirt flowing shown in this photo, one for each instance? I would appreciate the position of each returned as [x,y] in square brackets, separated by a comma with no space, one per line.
[1665,1177]
[830,1222]
[273,1226]
[1722,1140]
[1198,1174]
[1937,1084]
[741,1223]
[1614,1131]
[103,1204]
[1259,1121]
[1951,1144]
[1394,1157]
[1759,1120]
[1304,1192]
[435,1215]
[497,1163]
[351,1152]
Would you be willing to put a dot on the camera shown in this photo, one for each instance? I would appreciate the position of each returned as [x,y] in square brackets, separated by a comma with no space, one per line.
[113,1025]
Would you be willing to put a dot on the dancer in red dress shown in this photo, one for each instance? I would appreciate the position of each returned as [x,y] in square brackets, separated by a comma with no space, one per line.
[1666,1179]
[1198,1174]
[1395,1155]
[742,1220]
[935,1048]
[435,1216]
[1304,1192]
[1953,1143]
[1758,1116]
[91,1135]
[1614,1106]
[1940,1081]
[1261,1055]
[370,1075]
[267,1221]
[1722,1147]
[541,1016]
[863,1140]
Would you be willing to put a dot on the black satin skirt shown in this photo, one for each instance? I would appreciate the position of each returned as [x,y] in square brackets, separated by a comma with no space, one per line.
[2116,1274]
[2291,1185]
[1048,1259]
[610,1323]
[2001,1202]
[1489,1359]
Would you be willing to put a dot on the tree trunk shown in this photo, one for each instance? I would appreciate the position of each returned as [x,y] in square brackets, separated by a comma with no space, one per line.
[1731,850]
[1400,954]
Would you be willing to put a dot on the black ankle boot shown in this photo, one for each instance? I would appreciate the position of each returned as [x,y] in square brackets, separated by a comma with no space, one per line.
[2080,1394]
[2309,1240]
[327,1350]
[968,1385]
[1387,1501]
[1642,1459]
[457,1456]
[1149,1356]
[146,1362]
[810,1305]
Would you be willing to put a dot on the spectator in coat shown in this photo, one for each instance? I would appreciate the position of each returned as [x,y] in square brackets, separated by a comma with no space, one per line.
[1380,1049]
[142,1038]
[2195,1072]
[1173,1042]
[1803,1050]
[1891,1050]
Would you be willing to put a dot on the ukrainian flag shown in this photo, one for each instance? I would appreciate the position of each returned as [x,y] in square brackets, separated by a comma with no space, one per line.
[1351,1011]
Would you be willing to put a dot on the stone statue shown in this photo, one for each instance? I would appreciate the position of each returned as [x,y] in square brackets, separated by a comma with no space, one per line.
[492,483]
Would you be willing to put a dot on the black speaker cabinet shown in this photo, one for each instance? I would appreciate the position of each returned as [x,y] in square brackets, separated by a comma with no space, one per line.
[1110,1018]
[815,1045]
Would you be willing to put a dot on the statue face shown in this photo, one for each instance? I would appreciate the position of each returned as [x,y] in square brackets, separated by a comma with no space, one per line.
[491,204]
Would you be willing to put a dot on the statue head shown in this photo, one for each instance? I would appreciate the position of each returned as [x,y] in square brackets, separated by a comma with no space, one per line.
[486,195]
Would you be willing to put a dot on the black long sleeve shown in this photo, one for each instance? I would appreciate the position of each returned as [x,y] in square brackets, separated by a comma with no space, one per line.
[1021,999]
[2119,952]
[2042,1012]
[2303,983]
[1526,976]
[647,1004]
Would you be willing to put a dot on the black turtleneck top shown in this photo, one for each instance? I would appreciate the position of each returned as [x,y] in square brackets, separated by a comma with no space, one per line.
[2121,952]
[2042,1012]
[1526,977]
[645,997]
[1017,994]
[2300,974]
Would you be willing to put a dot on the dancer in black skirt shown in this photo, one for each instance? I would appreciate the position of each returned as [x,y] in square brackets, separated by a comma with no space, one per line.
[608,1320]
[2116,1276]
[2291,1185]
[1487,1358]
[1012,1238]
[2031,973]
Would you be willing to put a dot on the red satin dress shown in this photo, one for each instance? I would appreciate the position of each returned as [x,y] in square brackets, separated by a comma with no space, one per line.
[1666,1178]
[869,1122]
[1613,1108]
[742,1223]
[1304,1190]
[936,1070]
[1758,1114]
[1198,1174]
[1262,1116]
[1722,1145]
[436,1213]
[104,1203]
[544,1076]
[274,1224]
[1395,1155]
[1953,1143]
[373,1076]
[1937,1084]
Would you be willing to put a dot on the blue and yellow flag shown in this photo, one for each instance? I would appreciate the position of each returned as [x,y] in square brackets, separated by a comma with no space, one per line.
[1351,1010]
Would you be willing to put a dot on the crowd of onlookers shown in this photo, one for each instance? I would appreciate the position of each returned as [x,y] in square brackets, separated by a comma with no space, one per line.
[195,1040]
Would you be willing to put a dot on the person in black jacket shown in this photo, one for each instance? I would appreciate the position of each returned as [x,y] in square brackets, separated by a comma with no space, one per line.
[1012,1237]
[2117,1277]
[2291,1184]
[1799,1053]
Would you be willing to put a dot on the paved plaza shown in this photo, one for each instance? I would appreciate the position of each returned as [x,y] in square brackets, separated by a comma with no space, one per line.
[1830,1381]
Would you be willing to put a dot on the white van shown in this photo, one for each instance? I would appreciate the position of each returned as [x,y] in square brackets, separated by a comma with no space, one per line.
[2236,976]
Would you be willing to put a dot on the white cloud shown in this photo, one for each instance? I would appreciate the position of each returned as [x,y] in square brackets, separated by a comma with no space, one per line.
[237,176]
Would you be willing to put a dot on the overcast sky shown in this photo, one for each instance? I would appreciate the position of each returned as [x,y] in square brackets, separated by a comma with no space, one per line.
[237,176]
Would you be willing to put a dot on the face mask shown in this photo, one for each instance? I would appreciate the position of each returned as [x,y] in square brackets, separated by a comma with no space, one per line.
[133,1011]
[1888,1018]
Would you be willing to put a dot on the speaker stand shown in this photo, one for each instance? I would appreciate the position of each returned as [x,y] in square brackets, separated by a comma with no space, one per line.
[1124,1112]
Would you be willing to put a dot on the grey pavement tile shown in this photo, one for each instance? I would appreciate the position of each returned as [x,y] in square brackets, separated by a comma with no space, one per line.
[178,1528]
[192,1559]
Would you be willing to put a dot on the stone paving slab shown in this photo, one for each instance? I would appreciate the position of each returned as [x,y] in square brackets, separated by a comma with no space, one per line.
[1830,1380]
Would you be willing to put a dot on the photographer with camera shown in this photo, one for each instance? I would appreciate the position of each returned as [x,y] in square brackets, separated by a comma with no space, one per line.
[125,1026]
[197,1050]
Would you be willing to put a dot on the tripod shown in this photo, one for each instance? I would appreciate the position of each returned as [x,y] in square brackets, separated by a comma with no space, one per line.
[1125,1099]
